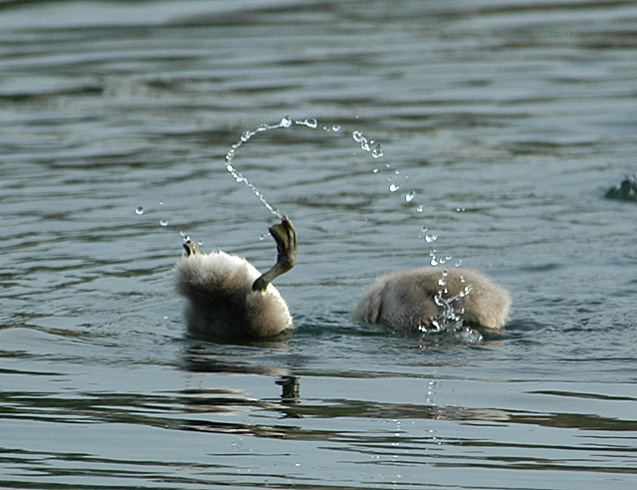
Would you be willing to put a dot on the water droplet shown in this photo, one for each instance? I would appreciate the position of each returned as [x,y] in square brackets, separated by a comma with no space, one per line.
[377,152]
[410,196]
[424,229]
[433,261]
[163,222]
[375,171]
[139,210]
[431,238]
[246,136]
[420,209]
[397,171]
[161,203]
[286,122]
[460,210]
[394,187]
[458,262]
[358,136]
[442,282]
[437,327]
[230,154]
[438,299]
[311,123]
[336,127]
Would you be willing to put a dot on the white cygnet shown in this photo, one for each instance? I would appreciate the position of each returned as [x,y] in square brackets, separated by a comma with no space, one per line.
[228,298]
[407,300]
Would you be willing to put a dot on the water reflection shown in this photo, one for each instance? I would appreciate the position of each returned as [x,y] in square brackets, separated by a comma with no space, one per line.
[175,410]
[291,389]
[258,357]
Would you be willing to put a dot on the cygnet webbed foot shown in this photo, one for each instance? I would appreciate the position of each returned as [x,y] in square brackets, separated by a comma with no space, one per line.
[284,235]
[221,302]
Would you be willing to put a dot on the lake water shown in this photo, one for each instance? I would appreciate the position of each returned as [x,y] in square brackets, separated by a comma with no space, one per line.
[501,123]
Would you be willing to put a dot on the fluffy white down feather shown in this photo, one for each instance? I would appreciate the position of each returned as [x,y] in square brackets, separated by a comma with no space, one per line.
[405,300]
[220,299]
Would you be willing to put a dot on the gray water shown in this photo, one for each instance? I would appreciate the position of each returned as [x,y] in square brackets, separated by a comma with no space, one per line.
[509,120]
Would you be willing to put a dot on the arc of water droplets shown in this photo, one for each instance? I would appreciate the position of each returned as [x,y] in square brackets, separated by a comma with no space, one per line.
[285,122]
[371,146]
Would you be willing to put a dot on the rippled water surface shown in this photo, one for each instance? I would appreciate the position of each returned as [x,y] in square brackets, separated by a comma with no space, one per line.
[501,126]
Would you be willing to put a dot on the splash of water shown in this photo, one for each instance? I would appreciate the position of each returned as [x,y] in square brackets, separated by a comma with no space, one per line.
[451,316]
